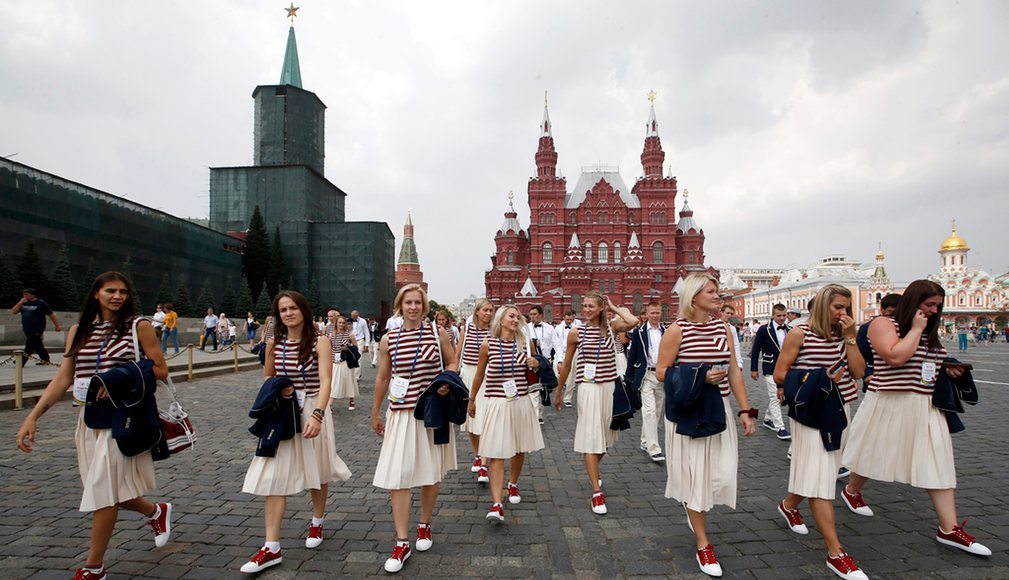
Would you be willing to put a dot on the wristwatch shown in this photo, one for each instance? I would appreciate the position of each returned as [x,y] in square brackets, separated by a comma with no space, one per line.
[320,412]
[850,340]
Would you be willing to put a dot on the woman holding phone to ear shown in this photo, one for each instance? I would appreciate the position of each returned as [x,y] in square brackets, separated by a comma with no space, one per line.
[825,341]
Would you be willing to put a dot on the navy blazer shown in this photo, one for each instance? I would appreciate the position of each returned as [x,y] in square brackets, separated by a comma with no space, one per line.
[766,348]
[626,400]
[438,412]
[277,418]
[637,354]
[950,394]
[814,400]
[693,405]
[131,411]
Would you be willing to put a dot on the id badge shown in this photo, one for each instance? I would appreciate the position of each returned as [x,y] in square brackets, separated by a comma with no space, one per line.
[589,372]
[300,393]
[511,390]
[81,391]
[928,372]
[398,388]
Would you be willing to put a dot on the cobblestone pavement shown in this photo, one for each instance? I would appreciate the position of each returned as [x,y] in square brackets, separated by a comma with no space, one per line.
[551,533]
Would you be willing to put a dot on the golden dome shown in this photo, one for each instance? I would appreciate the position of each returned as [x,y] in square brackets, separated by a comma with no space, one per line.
[954,242]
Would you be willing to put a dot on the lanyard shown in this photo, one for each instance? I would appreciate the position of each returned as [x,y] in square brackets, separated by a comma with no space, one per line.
[599,351]
[283,365]
[98,359]
[420,342]
[500,346]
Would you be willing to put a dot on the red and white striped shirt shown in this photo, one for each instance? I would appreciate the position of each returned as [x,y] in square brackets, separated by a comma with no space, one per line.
[705,343]
[339,340]
[285,363]
[471,344]
[104,350]
[821,353]
[906,377]
[594,348]
[415,356]
[505,361]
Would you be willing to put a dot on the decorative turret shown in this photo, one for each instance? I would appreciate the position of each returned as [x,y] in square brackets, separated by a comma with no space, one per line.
[653,156]
[290,73]
[529,289]
[408,266]
[953,252]
[546,155]
[575,275]
[879,275]
[634,256]
[689,238]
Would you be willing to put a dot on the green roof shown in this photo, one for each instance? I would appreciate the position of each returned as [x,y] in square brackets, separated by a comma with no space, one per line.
[408,253]
[291,73]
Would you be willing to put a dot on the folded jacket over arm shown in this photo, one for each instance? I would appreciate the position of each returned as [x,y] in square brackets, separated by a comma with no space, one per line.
[277,418]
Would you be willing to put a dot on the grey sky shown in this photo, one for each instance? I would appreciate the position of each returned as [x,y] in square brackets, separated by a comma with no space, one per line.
[799,128]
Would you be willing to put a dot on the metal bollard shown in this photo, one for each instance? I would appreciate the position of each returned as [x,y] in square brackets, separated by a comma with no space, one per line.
[189,374]
[19,378]
[234,349]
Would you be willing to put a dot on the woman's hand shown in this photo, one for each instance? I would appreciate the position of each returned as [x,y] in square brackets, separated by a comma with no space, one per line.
[748,424]
[920,321]
[532,363]
[443,390]
[781,395]
[471,409]
[955,372]
[847,326]
[311,429]
[26,435]
[715,377]
[287,392]
[558,398]
[377,425]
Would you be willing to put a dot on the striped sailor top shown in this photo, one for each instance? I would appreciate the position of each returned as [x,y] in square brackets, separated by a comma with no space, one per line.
[268,333]
[618,347]
[821,353]
[594,348]
[906,377]
[505,361]
[104,350]
[471,344]
[705,343]
[285,364]
[415,356]
[339,340]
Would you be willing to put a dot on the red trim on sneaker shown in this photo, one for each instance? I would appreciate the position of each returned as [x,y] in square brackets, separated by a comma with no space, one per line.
[315,532]
[423,532]
[794,517]
[706,555]
[513,490]
[842,562]
[958,535]
[86,574]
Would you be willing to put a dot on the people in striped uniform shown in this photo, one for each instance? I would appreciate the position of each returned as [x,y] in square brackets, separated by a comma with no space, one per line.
[344,385]
[590,347]
[101,340]
[309,459]
[411,357]
[467,357]
[510,426]
[825,341]
[701,472]
[897,434]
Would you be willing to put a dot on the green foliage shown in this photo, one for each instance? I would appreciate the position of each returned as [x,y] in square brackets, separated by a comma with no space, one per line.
[165,290]
[244,302]
[65,295]
[434,307]
[127,270]
[314,298]
[31,273]
[277,275]
[229,302]
[256,256]
[10,286]
[182,302]
[89,275]
[204,300]
[264,306]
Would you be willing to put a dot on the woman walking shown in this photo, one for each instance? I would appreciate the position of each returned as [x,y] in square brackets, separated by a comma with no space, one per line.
[411,357]
[102,340]
[473,335]
[510,428]
[344,385]
[897,434]
[701,471]
[825,341]
[591,347]
[308,460]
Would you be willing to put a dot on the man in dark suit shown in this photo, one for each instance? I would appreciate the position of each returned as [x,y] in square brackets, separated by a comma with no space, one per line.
[642,354]
[766,347]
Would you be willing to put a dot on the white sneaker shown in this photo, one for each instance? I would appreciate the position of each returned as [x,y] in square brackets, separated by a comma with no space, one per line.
[496,514]
[314,538]
[424,540]
[959,538]
[599,503]
[400,554]
[855,502]
[844,566]
[707,562]
[514,497]
[482,476]
[261,560]
[793,518]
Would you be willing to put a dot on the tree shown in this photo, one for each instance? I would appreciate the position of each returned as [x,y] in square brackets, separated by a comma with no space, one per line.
[165,290]
[244,303]
[314,298]
[31,273]
[432,308]
[10,286]
[256,256]
[182,302]
[90,274]
[264,306]
[229,302]
[65,296]
[277,275]
[127,270]
[204,300]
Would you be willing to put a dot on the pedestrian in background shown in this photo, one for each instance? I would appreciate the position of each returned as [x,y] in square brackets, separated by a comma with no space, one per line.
[171,330]
[158,320]
[209,329]
[33,312]
[250,328]
[468,356]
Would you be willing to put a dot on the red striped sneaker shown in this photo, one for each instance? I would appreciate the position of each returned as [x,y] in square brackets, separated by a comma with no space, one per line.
[477,464]
[162,525]
[400,554]
[844,566]
[262,560]
[496,514]
[855,502]
[793,518]
[599,503]
[514,496]
[482,476]
[959,538]
[708,562]
[314,536]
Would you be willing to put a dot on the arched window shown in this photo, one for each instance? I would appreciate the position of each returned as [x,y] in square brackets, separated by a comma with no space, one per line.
[548,253]
[573,218]
[576,302]
[588,217]
[511,257]
[603,253]
[616,217]
[637,304]
[588,252]
[604,217]
[665,311]
[548,312]
[616,253]
[657,251]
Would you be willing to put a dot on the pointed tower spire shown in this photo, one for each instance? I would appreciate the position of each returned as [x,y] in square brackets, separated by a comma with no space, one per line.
[687,222]
[652,157]
[633,253]
[408,265]
[545,125]
[574,254]
[290,74]
[546,155]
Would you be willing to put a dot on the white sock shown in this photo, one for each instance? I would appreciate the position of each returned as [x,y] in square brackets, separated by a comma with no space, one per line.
[404,543]
[317,521]
[423,525]
[95,570]
[157,512]
[272,546]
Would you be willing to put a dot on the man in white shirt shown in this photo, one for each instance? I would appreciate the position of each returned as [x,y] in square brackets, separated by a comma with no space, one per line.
[642,355]
[209,329]
[359,328]
[560,351]
[159,320]
[764,353]
[541,336]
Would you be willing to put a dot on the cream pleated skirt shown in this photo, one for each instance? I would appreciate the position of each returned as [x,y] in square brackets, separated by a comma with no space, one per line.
[595,413]
[510,427]
[701,472]
[108,476]
[813,470]
[901,437]
[344,385]
[472,424]
[409,456]
[300,463]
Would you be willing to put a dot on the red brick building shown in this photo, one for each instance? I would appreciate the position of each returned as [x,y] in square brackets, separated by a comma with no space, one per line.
[601,235]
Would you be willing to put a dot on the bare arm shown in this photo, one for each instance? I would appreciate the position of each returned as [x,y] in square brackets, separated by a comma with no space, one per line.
[56,322]
[17,307]
[893,349]
[381,385]
[324,350]
[626,319]
[789,352]
[269,366]
[669,349]
[54,391]
[739,388]
[151,347]
[565,367]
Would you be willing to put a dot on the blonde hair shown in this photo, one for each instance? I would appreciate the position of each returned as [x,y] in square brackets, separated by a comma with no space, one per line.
[603,320]
[397,305]
[495,323]
[692,286]
[819,316]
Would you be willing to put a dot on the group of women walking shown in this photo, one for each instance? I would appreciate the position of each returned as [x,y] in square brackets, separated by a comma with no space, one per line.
[897,434]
